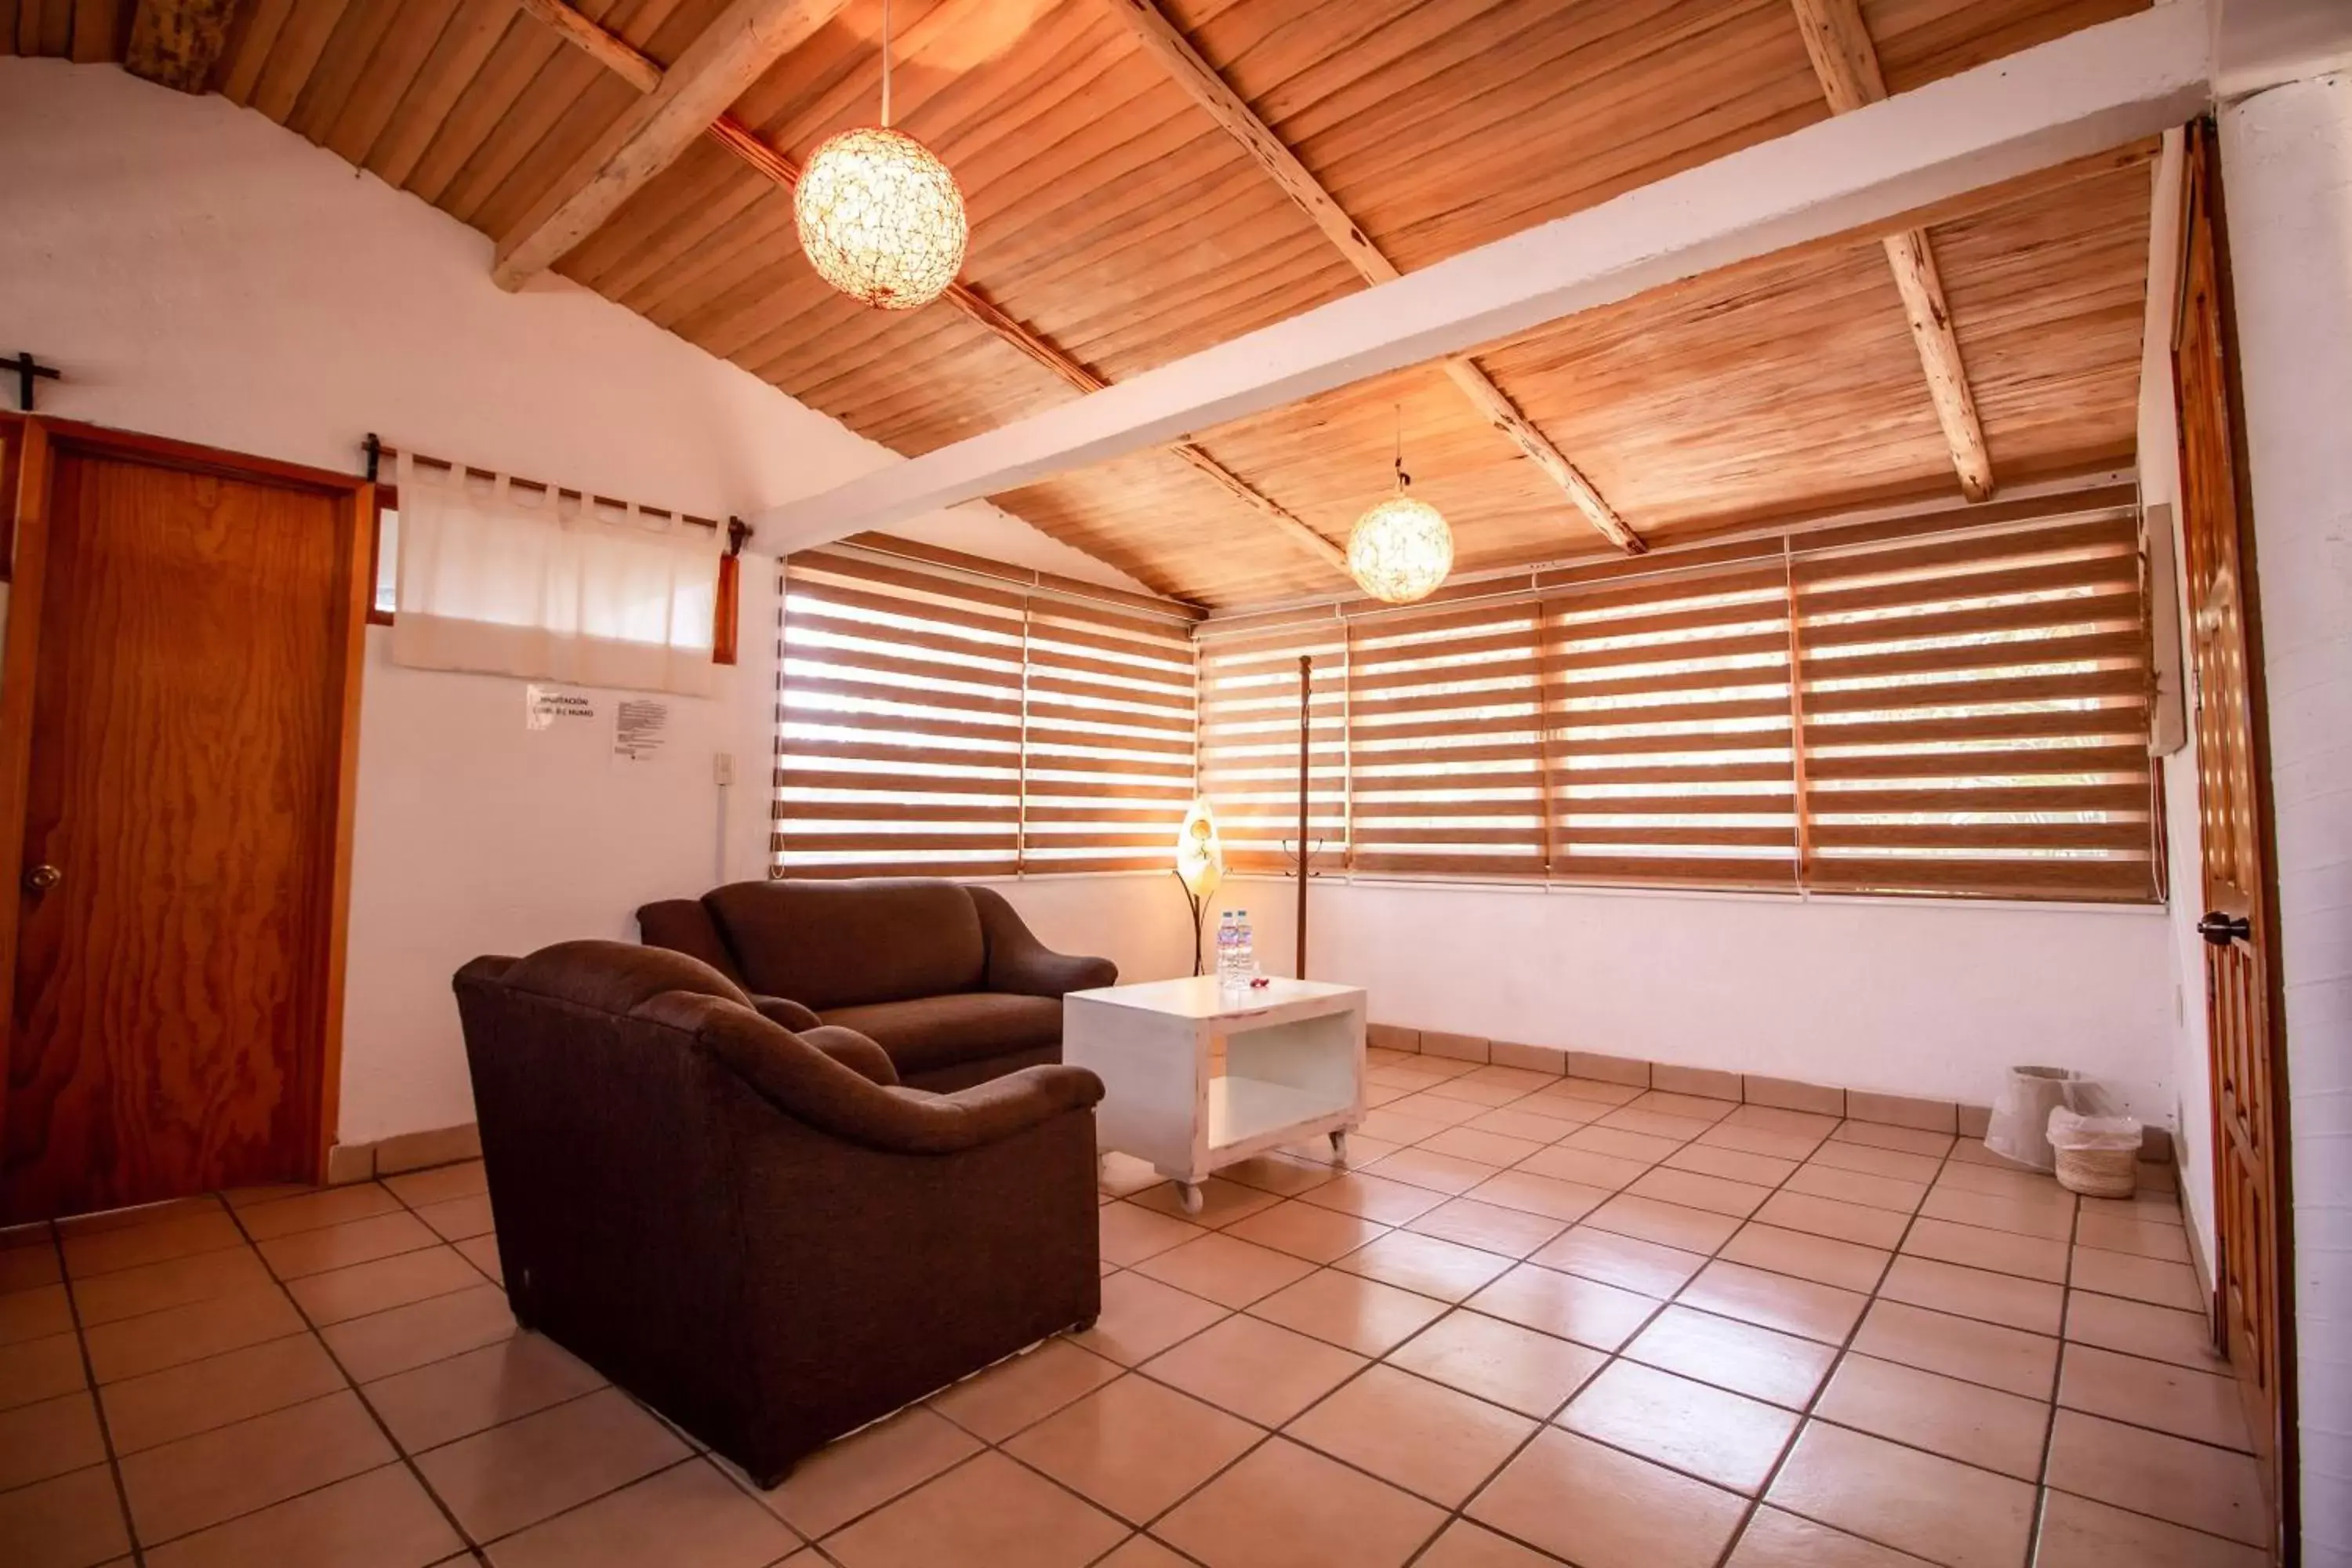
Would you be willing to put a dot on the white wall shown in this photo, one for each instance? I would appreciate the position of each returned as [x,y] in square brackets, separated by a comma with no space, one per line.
[201,273]
[1916,996]
[2286,163]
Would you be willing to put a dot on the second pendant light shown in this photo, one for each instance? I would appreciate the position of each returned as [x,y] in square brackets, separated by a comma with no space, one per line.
[1401,549]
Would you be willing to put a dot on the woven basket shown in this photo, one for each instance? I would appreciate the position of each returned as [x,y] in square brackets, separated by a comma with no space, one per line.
[2099,1172]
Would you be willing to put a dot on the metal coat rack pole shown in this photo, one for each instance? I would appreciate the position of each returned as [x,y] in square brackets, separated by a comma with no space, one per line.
[1306,673]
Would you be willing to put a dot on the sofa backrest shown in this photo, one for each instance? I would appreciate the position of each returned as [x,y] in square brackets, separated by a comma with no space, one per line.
[853,943]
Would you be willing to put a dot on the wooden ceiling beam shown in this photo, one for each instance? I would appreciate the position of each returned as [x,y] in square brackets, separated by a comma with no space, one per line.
[646,76]
[1167,43]
[1840,180]
[730,54]
[176,43]
[1846,61]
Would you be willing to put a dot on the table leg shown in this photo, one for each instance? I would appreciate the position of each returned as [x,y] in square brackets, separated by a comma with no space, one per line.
[1190,1192]
[1340,1145]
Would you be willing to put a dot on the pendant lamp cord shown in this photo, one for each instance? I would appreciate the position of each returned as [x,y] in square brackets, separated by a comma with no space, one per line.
[886,65]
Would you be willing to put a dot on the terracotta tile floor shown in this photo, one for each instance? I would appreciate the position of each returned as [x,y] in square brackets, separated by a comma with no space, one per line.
[1542,1321]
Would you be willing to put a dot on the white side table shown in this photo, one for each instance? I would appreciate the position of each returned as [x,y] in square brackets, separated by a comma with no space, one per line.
[1293,1054]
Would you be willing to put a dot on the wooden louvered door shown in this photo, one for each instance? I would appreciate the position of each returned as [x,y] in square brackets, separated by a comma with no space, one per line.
[2252,1279]
[178,729]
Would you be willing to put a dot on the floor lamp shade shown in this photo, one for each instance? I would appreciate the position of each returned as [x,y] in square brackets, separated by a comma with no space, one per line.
[1200,858]
[1200,864]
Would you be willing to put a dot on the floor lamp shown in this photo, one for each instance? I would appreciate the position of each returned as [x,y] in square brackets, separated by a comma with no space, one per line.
[1200,865]
[1305,852]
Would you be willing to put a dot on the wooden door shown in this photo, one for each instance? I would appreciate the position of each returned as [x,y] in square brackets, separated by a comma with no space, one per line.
[2252,1312]
[176,737]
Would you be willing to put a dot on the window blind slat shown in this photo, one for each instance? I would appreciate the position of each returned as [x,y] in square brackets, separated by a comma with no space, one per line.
[1678,682]
[2081,683]
[1994,692]
[2074,762]
[1249,742]
[891,866]
[956,761]
[1063,706]
[1446,709]
[1961,554]
[800,685]
[1003,729]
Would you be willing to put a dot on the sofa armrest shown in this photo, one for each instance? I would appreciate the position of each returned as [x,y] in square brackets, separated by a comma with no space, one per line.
[851,1050]
[787,1014]
[814,1086]
[992,1112]
[1020,964]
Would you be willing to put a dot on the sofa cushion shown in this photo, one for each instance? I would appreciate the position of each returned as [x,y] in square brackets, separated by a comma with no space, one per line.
[934,1032]
[852,943]
[683,925]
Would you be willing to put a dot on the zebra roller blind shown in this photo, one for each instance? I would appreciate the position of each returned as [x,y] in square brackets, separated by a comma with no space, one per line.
[1249,742]
[931,724]
[1896,708]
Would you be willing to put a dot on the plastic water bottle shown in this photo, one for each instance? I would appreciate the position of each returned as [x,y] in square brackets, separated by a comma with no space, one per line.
[1245,954]
[1226,931]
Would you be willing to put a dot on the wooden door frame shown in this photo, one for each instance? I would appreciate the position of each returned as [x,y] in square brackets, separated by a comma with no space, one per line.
[2201,191]
[320,1082]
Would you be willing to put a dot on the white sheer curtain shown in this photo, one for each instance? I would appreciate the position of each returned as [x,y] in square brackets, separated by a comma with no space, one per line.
[509,580]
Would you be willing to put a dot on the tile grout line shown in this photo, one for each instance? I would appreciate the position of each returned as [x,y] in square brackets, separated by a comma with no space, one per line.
[1750,1503]
[352,1385]
[1829,1375]
[1943,1163]
[1440,1196]
[1613,1357]
[98,1405]
[1543,1424]
[2042,1487]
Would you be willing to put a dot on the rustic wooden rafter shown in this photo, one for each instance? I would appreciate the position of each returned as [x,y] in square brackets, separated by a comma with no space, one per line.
[646,76]
[1899,164]
[1192,72]
[730,54]
[1847,64]
[176,43]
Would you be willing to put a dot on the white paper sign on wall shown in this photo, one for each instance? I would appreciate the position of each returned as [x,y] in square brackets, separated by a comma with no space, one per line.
[640,728]
[544,706]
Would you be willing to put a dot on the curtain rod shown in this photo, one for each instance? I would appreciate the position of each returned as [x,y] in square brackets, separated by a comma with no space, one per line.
[377,452]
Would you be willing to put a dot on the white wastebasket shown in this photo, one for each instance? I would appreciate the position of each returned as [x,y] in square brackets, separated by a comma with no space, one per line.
[2021,1119]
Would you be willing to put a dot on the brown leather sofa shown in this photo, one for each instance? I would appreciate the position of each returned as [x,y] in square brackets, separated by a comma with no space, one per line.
[944,977]
[757,1231]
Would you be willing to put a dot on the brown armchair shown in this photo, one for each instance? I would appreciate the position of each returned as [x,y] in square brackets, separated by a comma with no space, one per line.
[757,1231]
[943,975]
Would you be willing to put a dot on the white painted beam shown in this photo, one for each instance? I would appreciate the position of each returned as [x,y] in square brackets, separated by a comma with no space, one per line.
[2074,96]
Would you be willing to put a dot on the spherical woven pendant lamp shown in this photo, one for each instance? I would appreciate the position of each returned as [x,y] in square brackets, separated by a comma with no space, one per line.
[879,217]
[1401,549]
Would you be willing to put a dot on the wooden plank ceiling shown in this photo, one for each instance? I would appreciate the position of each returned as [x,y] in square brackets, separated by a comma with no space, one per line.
[1116,218]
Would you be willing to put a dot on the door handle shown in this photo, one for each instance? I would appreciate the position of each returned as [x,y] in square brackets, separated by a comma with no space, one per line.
[41,879]
[2221,930]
